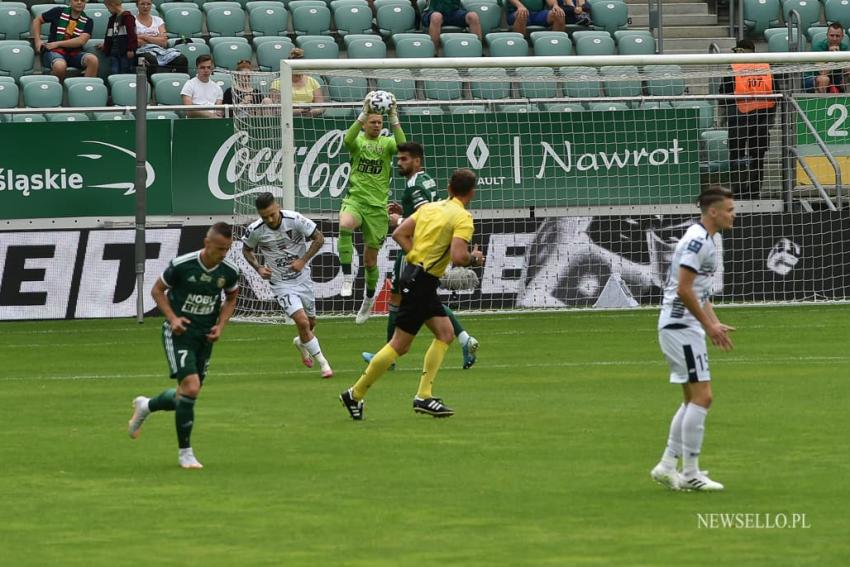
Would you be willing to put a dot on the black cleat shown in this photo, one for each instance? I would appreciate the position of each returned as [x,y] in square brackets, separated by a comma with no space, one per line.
[355,408]
[433,407]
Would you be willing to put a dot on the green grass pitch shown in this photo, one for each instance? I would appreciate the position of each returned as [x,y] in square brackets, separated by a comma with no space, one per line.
[545,463]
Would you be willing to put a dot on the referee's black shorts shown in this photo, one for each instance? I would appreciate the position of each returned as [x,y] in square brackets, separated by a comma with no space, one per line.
[419,300]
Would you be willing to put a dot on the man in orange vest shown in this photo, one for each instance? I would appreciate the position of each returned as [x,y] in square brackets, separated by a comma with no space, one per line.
[749,119]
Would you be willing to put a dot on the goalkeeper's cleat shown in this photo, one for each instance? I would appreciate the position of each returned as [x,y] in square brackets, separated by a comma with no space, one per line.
[469,352]
[327,372]
[432,406]
[140,414]
[365,310]
[187,459]
[368,356]
[355,408]
[305,356]
[666,476]
[347,289]
[698,481]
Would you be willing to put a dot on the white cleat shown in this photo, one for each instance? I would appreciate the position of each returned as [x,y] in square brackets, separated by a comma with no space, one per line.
[665,476]
[140,413]
[187,459]
[698,481]
[365,310]
[305,356]
[347,289]
[327,372]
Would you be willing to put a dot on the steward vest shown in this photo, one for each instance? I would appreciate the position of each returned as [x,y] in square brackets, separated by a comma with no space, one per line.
[749,83]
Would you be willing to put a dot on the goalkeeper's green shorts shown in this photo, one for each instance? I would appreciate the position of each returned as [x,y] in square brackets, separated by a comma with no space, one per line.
[374,221]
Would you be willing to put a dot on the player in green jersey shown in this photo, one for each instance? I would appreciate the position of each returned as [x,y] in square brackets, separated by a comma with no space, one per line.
[419,188]
[189,295]
[365,204]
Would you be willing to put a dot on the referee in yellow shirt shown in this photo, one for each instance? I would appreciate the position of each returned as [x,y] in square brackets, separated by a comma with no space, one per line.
[434,235]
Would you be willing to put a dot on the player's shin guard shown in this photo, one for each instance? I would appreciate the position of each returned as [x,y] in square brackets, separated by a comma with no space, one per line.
[393,313]
[433,361]
[674,439]
[164,402]
[184,418]
[345,249]
[371,280]
[382,360]
[693,430]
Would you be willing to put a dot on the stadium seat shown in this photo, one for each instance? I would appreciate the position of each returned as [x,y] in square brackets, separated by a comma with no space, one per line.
[9,94]
[14,22]
[441,84]
[654,105]
[607,106]
[187,20]
[270,53]
[227,54]
[100,116]
[223,80]
[16,60]
[260,40]
[610,15]
[716,147]
[461,45]
[497,87]
[594,44]
[337,4]
[37,10]
[113,79]
[40,93]
[27,118]
[622,80]
[124,91]
[563,107]
[467,109]
[347,89]
[581,82]
[381,3]
[634,42]
[809,11]
[361,46]
[506,44]
[353,20]
[777,42]
[161,115]
[837,11]
[310,20]
[421,111]
[516,108]
[402,85]
[489,14]
[413,45]
[269,21]
[100,18]
[86,93]
[664,80]
[531,86]
[67,117]
[547,43]
[167,87]
[704,108]
[165,7]
[192,51]
[207,5]
[760,15]
[318,47]
[213,41]
[225,21]
[395,19]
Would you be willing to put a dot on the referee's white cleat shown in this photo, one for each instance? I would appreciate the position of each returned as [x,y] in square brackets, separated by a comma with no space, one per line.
[698,481]
[347,289]
[666,476]
[187,459]
[365,310]
[305,355]
[140,413]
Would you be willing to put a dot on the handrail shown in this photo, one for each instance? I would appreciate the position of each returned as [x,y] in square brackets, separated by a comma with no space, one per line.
[656,22]
[740,35]
[823,147]
[731,7]
[830,205]
[789,23]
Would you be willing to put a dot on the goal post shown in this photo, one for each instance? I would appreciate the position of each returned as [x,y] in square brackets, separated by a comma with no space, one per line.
[588,167]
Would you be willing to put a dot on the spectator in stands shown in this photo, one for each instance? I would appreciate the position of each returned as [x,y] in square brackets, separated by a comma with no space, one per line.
[449,12]
[153,40]
[749,120]
[577,12]
[120,42]
[305,89]
[202,90]
[70,29]
[826,81]
[547,13]
[242,91]
[150,29]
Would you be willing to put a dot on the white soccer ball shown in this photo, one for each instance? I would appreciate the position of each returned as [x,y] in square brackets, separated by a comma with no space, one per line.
[381,101]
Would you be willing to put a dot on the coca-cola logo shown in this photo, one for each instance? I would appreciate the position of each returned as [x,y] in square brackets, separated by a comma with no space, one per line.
[262,169]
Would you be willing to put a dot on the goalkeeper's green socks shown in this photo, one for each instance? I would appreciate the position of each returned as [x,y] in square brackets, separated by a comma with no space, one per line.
[433,361]
[382,360]
[460,333]
[345,249]
[371,280]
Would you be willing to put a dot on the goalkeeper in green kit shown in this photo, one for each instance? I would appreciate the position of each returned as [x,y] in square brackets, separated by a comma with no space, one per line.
[365,205]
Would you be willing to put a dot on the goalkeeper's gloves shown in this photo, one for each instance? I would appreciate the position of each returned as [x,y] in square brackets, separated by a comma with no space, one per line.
[367,108]
[392,113]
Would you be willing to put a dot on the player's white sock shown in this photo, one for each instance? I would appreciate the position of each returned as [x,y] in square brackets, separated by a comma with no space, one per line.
[693,429]
[315,351]
[673,451]
[463,338]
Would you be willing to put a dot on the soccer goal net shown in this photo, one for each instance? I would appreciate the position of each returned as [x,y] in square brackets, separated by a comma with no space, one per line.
[588,170]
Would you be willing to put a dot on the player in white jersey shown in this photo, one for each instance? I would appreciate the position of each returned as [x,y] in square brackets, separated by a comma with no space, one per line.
[281,237]
[686,317]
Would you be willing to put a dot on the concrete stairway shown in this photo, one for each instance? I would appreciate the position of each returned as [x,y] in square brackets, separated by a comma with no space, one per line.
[688,25]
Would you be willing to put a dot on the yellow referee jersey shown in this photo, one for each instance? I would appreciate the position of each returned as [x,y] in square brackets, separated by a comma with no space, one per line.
[436,224]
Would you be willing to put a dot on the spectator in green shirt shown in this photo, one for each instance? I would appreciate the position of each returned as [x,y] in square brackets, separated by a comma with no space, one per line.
[835,80]
[449,12]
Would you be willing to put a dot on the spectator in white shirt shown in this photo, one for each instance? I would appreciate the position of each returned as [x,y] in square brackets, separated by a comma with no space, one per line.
[201,90]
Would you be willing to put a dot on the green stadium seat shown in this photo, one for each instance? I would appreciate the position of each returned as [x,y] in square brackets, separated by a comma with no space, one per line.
[9,94]
[21,5]
[622,80]
[167,87]
[297,3]
[16,60]
[361,46]
[381,3]
[230,39]
[86,93]
[706,111]
[489,84]
[395,19]
[14,22]
[165,7]
[489,14]
[192,51]
[67,117]
[263,3]
[268,21]
[634,42]
[402,85]
[318,47]
[310,20]
[441,84]
[27,79]
[347,88]
[353,20]
[654,105]
[563,107]
[28,118]
[38,9]
[421,111]
[161,115]
[610,15]
[607,106]
[602,44]
[506,44]
[257,41]
[100,18]
[581,82]
[413,45]
[42,93]
[187,20]
[461,45]
[715,145]
[516,108]
[337,4]
[124,90]
[223,80]
[225,21]
[209,5]
[809,11]
[270,53]
[227,54]
[761,14]
[467,109]
[102,116]
[551,43]
[837,11]
[531,86]
[777,42]
[664,80]
[112,79]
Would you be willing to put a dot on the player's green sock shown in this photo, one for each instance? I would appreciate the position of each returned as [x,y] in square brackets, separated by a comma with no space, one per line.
[458,328]
[391,321]
[345,249]
[164,401]
[371,280]
[184,417]
[433,360]
[382,360]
